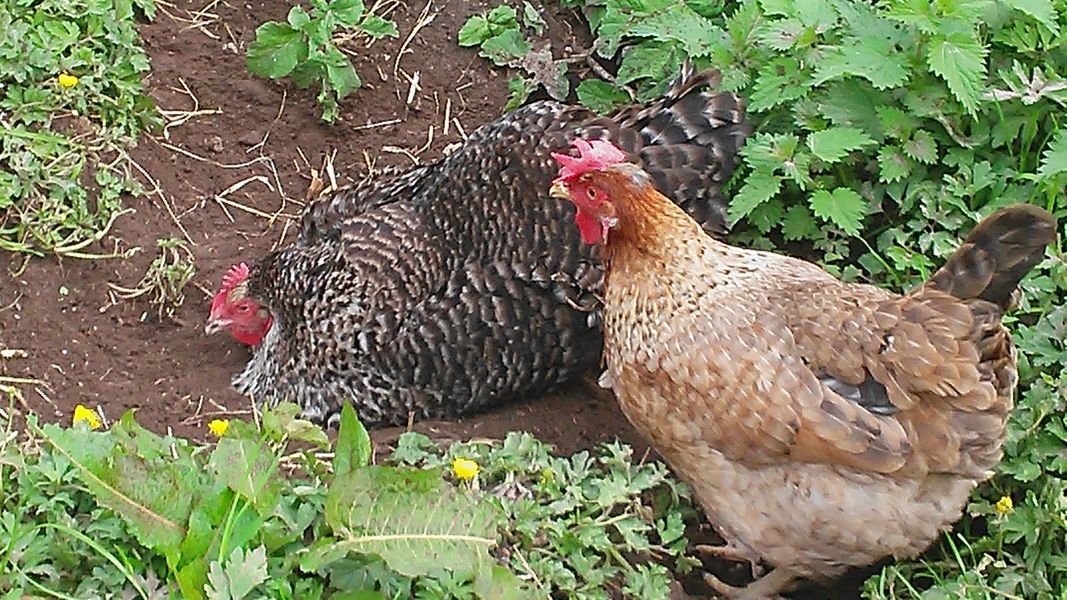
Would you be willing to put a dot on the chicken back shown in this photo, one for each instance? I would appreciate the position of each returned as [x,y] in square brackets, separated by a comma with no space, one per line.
[454,286]
[821,424]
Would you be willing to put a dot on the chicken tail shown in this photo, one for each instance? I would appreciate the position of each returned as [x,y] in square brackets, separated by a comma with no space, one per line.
[687,140]
[997,254]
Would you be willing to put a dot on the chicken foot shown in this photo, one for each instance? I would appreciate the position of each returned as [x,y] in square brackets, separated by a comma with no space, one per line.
[768,587]
[734,551]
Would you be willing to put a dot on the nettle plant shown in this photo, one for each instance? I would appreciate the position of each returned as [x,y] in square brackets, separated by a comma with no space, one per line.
[305,49]
[884,131]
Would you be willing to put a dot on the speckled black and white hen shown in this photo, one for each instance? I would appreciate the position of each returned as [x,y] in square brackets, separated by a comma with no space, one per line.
[458,285]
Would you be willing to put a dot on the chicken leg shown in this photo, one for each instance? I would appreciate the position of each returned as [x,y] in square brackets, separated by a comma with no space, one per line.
[768,587]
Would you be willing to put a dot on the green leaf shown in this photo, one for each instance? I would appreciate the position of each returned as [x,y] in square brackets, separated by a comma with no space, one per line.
[759,187]
[922,147]
[297,17]
[842,207]
[347,12]
[875,59]
[895,123]
[831,145]
[767,215]
[1040,10]
[782,34]
[679,23]
[531,18]
[894,165]
[780,80]
[340,73]
[354,447]
[600,96]
[503,48]
[250,469]
[646,61]
[799,224]
[281,423]
[132,471]
[379,28]
[1054,158]
[474,31]
[242,573]
[413,520]
[503,17]
[519,89]
[959,59]
[276,50]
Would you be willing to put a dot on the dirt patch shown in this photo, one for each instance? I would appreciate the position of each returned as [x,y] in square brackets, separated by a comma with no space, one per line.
[229,178]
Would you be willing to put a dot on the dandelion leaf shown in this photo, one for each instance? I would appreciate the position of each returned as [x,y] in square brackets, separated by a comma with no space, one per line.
[413,520]
[133,472]
[249,468]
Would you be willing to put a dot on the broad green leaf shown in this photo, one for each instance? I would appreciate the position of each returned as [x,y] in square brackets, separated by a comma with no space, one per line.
[474,31]
[842,207]
[874,59]
[347,12]
[780,80]
[297,17]
[1041,10]
[600,96]
[696,34]
[894,165]
[501,584]
[767,215]
[503,48]
[759,187]
[340,73]
[831,145]
[782,34]
[1054,158]
[281,423]
[503,17]
[240,575]
[353,449]
[276,50]
[519,89]
[895,123]
[250,469]
[959,59]
[922,147]
[132,471]
[531,18]
[646,61]
[378,28]
[799,224]
[817,14]
[413,520]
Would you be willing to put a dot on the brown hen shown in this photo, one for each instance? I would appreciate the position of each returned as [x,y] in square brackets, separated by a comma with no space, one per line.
[821,424]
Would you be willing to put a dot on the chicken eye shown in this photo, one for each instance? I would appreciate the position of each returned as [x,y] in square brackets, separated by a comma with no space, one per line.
[243,308]
[591,192]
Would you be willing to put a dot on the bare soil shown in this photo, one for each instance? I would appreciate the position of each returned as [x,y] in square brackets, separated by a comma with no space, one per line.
[229,175]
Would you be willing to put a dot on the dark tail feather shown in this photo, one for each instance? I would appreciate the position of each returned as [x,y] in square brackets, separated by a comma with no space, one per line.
[997,254]
[687,140]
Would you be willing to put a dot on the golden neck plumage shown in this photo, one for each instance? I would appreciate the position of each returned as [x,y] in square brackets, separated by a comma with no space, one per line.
[647,221]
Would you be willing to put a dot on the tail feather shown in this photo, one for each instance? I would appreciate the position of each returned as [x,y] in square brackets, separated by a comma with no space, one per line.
[687,140]
[997,254]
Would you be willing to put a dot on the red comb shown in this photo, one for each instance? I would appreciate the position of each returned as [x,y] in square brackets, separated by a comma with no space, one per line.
[592,155]
[234,277]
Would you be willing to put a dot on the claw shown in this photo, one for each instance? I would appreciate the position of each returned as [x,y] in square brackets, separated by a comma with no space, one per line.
[767,587]
[734,552]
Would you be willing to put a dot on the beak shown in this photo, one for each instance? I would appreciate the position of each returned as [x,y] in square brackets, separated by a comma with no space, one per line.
[216,325]
[559,190]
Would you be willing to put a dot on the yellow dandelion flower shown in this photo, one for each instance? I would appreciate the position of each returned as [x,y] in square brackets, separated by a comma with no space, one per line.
[465,468]
[219,426]
[1004,505]
[83,414]
[67,80]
